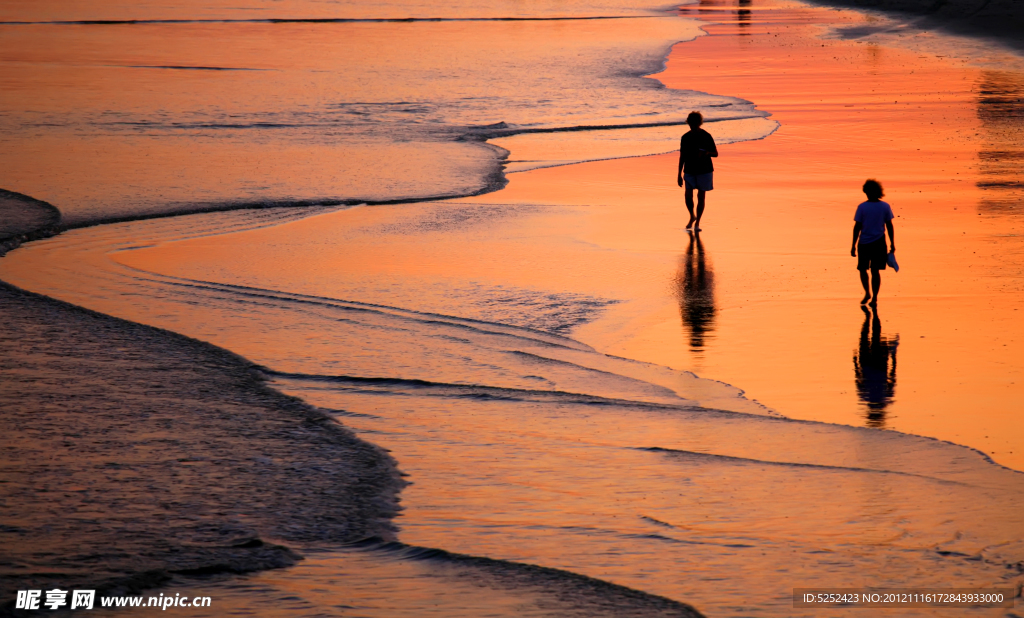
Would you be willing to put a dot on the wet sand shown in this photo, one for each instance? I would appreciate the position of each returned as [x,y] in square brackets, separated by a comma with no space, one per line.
[773,269]
[943,136]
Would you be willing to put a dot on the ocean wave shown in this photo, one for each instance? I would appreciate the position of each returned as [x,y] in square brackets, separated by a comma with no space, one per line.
[585,595]
[695,456]
[425,388]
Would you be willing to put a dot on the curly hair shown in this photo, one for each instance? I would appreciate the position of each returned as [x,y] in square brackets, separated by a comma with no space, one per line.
[872,188]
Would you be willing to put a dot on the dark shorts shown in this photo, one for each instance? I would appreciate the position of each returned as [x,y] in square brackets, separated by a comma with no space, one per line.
[702,182]
[872,255]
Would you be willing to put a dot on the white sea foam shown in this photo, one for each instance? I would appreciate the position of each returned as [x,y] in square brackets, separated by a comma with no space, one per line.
[536,150]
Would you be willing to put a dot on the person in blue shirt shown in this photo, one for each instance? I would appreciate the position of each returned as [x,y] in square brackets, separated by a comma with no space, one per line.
[872,219]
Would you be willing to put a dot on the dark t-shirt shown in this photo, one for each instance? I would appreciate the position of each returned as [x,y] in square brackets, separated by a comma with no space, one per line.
[872,215]
[690,146]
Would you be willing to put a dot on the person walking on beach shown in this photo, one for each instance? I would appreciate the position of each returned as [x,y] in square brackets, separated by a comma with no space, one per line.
[872,219]
[696,148]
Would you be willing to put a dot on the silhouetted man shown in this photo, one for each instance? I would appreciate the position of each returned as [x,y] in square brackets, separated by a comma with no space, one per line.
[696,148]
[873,218]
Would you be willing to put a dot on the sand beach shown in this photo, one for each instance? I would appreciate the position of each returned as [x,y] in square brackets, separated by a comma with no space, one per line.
[597,411]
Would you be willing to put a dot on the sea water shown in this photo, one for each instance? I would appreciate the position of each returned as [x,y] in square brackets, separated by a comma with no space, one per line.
[521,443]
[119,110]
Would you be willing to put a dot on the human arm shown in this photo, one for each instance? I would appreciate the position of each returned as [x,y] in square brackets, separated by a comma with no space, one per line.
[856,234]
[712,150]
[892,236]
[682,160]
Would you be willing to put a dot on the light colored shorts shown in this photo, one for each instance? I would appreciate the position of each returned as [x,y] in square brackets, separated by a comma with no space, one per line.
[700,181]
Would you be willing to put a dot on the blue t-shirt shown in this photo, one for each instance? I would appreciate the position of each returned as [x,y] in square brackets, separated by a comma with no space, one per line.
[872,216]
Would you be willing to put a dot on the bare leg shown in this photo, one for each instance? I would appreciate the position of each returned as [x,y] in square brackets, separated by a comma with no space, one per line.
[689,206]
[867,291]
[700,206]
[876,282]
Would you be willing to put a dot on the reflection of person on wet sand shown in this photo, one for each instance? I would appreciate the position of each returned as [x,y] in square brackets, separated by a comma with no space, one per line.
[695,284]
[873,218]
[696,170]
[875,376]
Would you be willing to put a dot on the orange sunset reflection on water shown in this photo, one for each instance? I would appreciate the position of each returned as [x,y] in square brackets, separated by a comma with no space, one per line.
[527,354]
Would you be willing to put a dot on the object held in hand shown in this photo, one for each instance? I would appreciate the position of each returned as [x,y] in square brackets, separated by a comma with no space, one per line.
[891,261]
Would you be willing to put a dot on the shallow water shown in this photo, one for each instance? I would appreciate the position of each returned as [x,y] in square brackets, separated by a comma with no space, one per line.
[123,119]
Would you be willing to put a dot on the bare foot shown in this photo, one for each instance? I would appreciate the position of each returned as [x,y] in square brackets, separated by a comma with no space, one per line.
[865,300]
[874,302]
[690,224]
